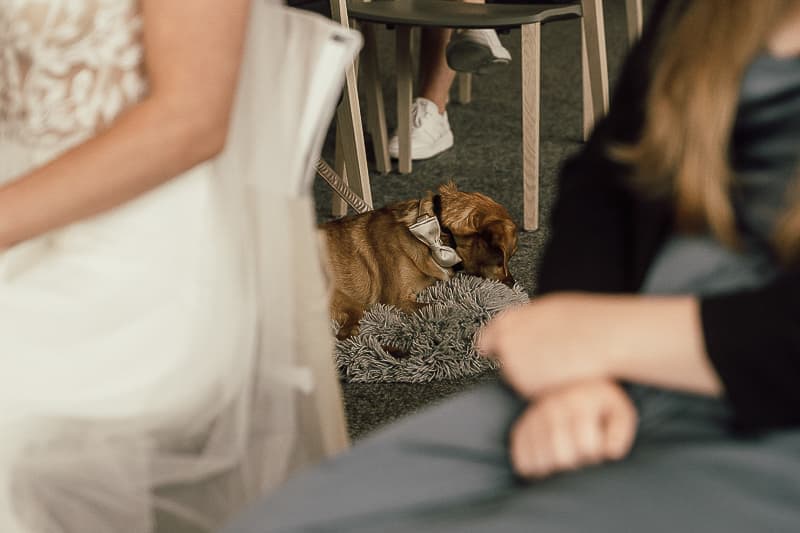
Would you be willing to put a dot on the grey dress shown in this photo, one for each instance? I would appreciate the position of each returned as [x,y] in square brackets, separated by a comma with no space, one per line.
[447,468]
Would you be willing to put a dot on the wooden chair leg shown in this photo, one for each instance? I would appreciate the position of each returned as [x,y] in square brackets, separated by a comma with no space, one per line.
[531,69]
[415,46]
[595,65]
[376,113]
[405,83]
[338,205]
[464,87]
[586,89]
[348,117]
[352,134]
[633,12]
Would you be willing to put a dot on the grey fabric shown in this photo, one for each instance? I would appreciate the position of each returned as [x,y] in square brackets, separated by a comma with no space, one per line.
[701,265]
[446,470]
[765,145]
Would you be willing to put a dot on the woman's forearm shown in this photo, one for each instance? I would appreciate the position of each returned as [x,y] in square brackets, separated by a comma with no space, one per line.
[660,343]
[193,51]
[150,143]
[562,338]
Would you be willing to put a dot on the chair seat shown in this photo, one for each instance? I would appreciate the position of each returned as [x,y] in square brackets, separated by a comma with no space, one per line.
[451,14]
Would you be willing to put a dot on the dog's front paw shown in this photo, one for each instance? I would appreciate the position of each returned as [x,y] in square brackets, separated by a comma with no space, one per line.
[394,351]
[347,331]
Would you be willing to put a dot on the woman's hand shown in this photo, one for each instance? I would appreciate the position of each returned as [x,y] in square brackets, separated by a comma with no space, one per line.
[563,338]
[553,340]
[578,425]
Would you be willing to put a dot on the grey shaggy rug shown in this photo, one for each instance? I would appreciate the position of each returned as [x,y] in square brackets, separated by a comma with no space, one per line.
[434,343]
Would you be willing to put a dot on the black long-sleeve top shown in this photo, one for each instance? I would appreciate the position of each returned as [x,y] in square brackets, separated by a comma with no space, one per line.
[605,237]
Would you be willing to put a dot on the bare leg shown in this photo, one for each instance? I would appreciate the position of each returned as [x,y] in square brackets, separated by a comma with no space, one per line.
[435,76]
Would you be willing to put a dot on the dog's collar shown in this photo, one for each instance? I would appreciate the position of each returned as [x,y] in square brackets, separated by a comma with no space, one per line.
[447,234]
[429,232]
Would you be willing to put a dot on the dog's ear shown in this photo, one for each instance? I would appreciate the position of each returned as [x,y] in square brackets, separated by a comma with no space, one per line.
[448,188]
[500,234]
[493,233]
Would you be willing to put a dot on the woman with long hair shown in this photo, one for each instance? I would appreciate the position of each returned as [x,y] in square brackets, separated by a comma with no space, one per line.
[664,348]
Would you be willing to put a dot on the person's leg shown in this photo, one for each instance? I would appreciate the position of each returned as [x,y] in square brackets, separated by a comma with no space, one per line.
[732,486]
[477,51]
[435,77]
[440,49]
[687,472]
[451,453]
[446,470]
[430,127]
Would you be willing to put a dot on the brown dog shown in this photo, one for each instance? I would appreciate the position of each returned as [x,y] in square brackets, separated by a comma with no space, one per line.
[375,258]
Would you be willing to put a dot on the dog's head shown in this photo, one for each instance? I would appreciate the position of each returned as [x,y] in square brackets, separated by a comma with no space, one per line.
[484,233]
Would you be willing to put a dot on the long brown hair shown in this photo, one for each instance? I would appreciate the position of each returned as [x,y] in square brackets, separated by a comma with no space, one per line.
[697,64]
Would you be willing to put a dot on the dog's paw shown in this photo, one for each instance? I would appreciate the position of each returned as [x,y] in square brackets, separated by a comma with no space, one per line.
[394,351]
[347,331]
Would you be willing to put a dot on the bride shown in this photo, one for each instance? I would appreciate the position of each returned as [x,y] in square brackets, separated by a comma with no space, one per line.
[164,344]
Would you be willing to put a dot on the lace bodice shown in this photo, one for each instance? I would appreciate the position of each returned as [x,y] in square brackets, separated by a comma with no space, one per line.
[67,68]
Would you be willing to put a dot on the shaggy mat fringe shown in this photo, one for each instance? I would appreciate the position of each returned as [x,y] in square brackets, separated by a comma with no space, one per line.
[437,342]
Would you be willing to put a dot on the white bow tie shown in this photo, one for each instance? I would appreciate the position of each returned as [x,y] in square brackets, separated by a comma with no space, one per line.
[427,230]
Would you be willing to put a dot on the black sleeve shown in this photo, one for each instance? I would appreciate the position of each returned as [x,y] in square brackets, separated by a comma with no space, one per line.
[753,341]
[589,237]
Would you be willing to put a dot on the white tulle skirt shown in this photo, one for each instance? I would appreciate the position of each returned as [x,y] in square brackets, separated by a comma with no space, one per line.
[163,364]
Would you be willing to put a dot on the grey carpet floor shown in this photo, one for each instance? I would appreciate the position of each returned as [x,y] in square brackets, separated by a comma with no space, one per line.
[486,158]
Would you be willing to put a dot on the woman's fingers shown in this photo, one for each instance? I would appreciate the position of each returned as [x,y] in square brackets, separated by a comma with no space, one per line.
[484,341]
[564,451]
[543,442]
[620,431]
[573,427]
[529,450]
[491,333]
[588,438]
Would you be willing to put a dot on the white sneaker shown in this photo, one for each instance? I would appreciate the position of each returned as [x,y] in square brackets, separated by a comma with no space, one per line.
[476,51]
[430,131]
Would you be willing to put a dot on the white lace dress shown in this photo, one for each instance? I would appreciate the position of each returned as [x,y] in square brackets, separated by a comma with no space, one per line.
[163,363]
